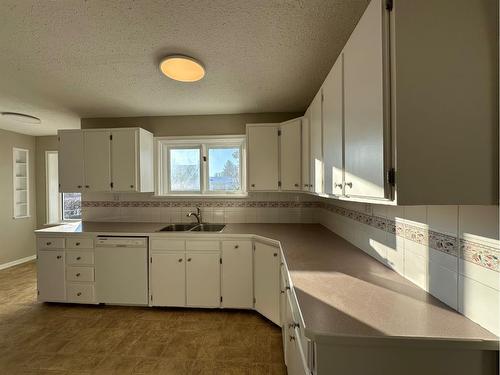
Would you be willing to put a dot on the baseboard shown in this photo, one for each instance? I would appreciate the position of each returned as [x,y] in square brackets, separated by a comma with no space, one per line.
[16,262]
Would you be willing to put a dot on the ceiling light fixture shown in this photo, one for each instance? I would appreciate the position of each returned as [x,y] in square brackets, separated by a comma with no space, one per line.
[182,68]
[21,117]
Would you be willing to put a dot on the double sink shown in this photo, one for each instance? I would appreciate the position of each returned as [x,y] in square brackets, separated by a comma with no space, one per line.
[194,227]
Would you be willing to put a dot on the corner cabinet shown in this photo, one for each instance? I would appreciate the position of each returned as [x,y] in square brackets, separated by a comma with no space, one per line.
[119,160]
[392,126]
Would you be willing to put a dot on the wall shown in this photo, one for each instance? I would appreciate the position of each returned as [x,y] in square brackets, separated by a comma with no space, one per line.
[189,125]
[18,239]
[452,252]
[47,143]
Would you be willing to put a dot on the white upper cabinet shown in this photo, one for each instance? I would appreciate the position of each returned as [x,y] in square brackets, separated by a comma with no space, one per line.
[306,178]
[290,154]
[364,106]
[70,163]
[316,144]
[97,160]
[333,128]
[117,160]
[263,154]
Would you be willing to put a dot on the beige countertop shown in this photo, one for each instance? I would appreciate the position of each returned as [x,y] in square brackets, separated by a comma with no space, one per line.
[342,292]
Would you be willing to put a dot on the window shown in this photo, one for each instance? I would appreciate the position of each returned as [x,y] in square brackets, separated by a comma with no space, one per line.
[60,207]
[201,166]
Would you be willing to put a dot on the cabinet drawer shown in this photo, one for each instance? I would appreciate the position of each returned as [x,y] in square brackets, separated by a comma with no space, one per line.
[167,244]
[50,243]
[79,257]
[80,293]
[80,273]
[202,245]
[79,243]
[243,245]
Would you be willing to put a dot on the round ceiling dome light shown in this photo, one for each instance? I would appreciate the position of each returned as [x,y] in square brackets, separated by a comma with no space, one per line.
[182,68]
[21,117]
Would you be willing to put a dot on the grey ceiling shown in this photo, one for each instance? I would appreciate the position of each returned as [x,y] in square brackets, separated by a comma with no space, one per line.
[66,59]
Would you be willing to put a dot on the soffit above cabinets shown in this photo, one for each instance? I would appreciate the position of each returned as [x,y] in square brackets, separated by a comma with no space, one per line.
[100,59]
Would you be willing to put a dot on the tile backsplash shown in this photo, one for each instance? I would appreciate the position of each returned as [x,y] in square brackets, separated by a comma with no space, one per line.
[453,252]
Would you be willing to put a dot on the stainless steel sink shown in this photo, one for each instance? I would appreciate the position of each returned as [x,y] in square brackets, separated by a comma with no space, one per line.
[193,227]
[178,227]
[208,228]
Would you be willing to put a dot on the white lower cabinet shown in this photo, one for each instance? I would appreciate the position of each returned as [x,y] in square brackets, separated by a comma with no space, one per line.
[237,274]
[203,279]
[80,293]
[51,276]
[267,281]
[168,279]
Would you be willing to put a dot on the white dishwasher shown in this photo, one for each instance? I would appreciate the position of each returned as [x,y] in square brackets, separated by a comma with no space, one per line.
[121,270]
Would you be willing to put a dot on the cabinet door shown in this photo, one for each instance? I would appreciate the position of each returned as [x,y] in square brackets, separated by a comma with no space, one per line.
[97,160]
[70,161]
[333,118]
[237,274]
[306,178]
[124,160]
[316,161]
[290,154]
[263,158]
[168,279]
[266,281]
[364,106]
[203,279]
[51,276]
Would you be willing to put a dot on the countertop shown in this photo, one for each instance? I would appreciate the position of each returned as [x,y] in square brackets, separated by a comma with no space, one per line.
[343,293]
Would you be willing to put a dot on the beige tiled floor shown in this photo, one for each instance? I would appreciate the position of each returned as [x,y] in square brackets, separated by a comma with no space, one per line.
[40,338]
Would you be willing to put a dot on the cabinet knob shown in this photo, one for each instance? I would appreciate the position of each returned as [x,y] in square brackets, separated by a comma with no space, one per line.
[78,258]
[87,186]
[236,246]
[131,186]
[58,257]
[275,254]
[338,185]
[180,260]
[292,338]
[253,185]
[293,325]
[79,186]
[348,184]
[77,244]
[48,243]
[282,291]
[78,274]
[189,259]
[79,294]
[296,185]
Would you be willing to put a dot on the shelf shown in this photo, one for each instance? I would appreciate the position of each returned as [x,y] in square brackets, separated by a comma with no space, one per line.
[22,203]
[21,182]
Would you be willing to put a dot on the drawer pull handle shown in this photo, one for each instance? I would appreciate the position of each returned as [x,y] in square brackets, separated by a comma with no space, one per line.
[180,260]
[236,246]
[189,259]
[59,257]
[79,294]
[49,243]
[78,258]
[78,274]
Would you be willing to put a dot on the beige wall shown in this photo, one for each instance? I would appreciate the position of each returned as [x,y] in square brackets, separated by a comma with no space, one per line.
[47,143]
[17,240]
[189,125]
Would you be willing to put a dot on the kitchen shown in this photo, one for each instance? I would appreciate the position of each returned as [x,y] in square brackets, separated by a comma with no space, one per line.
[250,188]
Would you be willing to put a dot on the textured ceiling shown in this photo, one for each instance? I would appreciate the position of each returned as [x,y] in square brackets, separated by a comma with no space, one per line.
[66,59]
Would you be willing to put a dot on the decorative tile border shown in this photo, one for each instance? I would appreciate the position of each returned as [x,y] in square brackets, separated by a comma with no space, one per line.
[207,203]
[471,251]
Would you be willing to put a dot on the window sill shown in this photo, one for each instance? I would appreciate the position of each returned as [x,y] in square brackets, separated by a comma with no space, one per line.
[203,196]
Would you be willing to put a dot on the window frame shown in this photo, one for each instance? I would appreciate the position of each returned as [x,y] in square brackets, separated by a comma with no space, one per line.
[162,159]
[47,192]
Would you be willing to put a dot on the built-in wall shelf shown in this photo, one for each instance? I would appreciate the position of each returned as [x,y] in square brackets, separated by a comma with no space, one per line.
[20,171]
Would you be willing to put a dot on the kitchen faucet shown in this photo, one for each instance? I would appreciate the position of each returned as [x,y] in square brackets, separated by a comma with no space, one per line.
[196,214]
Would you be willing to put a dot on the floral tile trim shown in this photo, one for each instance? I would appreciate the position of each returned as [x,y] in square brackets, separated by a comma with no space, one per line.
[480,254]
[211,203]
